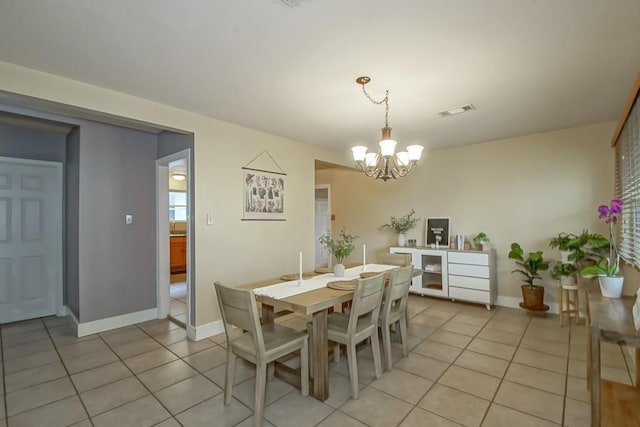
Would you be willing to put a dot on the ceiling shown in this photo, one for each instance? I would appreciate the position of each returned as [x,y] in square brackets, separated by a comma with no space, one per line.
[527,65]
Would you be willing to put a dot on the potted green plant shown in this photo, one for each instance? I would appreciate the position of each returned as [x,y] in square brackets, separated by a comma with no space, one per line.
[340,248]
[607,268]
[566,244]
[587,247]
[482,241]
[401,225]
[566,273]
[532,295]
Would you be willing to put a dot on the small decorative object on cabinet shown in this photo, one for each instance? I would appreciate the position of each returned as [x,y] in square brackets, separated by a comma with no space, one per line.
[340,248]
[458,275]
[532,295]
[481,241]
[401,225]
[437,232]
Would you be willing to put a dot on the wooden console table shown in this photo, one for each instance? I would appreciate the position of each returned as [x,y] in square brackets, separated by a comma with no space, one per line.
[610,319]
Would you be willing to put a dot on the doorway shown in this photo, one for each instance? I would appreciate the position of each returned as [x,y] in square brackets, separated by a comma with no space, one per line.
[322,224]
[174,237]
[30,239]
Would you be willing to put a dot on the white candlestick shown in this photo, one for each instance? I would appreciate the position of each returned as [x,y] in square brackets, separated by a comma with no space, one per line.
[300,269]
[364,255]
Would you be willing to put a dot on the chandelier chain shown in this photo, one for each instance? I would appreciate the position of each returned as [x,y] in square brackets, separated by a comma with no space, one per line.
[384,101]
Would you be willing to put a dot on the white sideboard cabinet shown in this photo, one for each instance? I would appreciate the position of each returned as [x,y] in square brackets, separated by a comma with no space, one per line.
[458,275]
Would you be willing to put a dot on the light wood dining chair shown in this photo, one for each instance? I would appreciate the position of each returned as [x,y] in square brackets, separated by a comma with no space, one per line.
[360,324]
[401,260]
[394,310]
[259,344]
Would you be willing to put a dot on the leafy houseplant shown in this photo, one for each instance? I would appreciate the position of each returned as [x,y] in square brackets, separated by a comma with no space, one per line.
[588,246]
[481,239]
[530,265]
[401,225]
[566,273]
[340,248]
[563,241]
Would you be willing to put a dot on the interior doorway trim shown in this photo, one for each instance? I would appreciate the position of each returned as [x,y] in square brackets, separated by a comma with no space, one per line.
[162,233]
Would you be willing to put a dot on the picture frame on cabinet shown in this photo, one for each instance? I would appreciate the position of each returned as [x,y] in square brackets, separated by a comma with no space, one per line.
[437,232]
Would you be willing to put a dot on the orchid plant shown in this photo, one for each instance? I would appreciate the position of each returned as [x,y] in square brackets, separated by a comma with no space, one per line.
[607,266]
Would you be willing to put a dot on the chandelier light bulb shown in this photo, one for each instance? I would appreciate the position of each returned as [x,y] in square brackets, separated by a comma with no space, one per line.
[403,158]
[387,147]
[371,159]
[415,152]
[359,152]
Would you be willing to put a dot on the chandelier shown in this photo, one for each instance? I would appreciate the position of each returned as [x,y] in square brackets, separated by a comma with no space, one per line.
[386,163]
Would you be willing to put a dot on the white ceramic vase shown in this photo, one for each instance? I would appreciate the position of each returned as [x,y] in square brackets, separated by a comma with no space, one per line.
[338,270]
[611,287]
[564,257]
[401,239]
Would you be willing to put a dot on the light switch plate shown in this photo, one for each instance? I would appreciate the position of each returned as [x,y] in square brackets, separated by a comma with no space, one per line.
[128,219]
[209,219]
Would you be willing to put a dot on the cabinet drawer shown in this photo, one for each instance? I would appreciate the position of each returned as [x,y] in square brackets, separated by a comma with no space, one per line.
[469,270]
[469,258]
[470,295]
[469,282]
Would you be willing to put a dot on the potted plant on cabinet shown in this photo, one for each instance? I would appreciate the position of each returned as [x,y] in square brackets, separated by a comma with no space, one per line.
[482,241]
[401,225]
[532,295]
[340,248]
[607,269]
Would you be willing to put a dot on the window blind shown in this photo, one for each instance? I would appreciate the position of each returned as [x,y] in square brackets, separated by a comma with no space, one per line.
[628,186]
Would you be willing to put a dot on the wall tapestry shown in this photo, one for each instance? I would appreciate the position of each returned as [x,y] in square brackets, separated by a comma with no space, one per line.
[264,193]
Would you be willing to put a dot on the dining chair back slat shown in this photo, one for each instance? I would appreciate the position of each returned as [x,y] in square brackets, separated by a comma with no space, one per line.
[394,310]
[239,309]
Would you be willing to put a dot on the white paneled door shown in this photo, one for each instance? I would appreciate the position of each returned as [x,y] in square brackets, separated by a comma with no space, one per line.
[322,225]
[30,239]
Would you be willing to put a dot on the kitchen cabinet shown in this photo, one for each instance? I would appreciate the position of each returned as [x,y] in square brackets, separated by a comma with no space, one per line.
[178,254]
[457,275]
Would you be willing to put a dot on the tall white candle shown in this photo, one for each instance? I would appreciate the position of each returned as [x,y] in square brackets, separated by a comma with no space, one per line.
[364,255]
[300,267]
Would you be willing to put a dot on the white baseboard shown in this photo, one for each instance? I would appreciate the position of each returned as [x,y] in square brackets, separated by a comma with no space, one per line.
[101,325]
[207,330]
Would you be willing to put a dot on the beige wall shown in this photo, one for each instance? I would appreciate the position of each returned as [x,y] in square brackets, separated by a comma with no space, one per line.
[231,250]
[525,189]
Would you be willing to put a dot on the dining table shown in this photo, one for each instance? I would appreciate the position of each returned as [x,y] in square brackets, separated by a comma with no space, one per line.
[312,296]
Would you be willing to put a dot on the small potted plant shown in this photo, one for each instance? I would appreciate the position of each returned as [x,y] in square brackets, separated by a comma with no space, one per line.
[481,241]
[401,225]
[532,295]
[566,244]
[607,269]
[340,248]
[566,273]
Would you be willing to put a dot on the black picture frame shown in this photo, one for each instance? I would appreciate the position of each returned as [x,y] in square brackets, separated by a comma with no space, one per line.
[437,232]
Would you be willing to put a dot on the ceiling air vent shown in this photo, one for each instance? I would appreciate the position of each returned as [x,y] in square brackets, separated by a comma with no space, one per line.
[456,110]
[291,3]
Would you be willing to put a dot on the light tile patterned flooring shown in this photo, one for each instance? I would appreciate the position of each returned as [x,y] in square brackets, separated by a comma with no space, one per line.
[467,366]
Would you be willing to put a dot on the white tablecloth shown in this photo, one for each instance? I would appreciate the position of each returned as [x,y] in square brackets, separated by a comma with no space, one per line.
[287,289]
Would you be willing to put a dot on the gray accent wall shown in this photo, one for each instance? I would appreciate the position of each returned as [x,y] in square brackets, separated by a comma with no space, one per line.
[72,192]
[30,144]
[117,262]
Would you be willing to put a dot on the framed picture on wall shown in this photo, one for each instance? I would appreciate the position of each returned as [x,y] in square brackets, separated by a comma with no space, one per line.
[437,232]
[263,195]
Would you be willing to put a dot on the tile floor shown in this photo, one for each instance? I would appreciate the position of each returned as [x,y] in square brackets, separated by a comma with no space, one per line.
[467,366]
